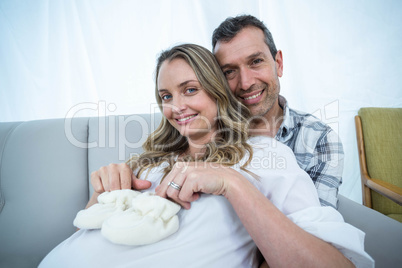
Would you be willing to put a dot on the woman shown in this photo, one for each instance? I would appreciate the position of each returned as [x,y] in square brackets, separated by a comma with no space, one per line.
[244,193]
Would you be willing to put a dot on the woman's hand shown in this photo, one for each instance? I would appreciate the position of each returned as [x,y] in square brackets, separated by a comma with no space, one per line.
[116,177]
[195,178]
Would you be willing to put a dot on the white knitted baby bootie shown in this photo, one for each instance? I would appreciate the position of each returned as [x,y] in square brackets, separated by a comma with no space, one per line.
[109,204]
[150,219]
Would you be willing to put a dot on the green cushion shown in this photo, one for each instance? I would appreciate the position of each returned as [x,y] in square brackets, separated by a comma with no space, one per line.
[382,134]
[397,217]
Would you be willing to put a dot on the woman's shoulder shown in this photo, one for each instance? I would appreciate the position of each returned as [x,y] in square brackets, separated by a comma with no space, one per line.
[268,153]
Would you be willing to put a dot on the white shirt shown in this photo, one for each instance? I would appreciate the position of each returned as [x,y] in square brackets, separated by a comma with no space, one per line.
[212,235]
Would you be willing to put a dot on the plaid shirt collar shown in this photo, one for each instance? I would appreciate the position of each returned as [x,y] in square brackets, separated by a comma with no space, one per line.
[285,130]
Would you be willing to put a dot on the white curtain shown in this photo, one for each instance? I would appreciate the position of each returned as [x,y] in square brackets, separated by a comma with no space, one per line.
[90,57]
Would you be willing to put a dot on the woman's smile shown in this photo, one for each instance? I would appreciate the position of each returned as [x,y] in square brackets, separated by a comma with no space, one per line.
[185,119]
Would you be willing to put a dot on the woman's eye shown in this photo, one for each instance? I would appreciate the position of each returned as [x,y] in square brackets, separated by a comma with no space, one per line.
[166,97]
[191,90]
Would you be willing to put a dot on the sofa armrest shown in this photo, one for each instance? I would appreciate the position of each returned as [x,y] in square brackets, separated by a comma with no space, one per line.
[43,180]
[383,235]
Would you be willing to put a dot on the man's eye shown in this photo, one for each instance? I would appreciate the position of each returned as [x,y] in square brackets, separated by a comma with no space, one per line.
[229,74]
[256,61]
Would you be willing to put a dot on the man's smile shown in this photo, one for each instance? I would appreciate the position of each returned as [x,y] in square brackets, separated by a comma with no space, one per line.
[251,98]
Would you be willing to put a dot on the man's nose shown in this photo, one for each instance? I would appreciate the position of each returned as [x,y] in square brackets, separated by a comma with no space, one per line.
[246,78]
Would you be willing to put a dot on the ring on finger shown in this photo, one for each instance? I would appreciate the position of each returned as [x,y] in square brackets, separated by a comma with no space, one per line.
[174,185]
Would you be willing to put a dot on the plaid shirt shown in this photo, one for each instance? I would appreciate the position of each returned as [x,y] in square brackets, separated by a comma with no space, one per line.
[317,148]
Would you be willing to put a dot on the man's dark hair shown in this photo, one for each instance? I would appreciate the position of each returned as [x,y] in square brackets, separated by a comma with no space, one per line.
[230,27]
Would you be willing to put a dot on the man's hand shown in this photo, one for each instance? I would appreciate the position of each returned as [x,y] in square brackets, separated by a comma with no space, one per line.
[116,177]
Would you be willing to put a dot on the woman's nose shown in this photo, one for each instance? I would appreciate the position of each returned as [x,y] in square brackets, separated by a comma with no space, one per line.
[179,104]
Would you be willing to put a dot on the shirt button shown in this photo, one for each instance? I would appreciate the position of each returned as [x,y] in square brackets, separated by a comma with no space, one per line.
[284,132]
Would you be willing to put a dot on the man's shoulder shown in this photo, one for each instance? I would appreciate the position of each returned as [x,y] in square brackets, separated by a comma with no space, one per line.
[303,132]
[308,121]
[308,132]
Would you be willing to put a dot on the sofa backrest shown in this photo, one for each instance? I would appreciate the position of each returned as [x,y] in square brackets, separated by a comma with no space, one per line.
[44,176]
[115,139]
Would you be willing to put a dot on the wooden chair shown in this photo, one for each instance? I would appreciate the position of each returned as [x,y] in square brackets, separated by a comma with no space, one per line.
[379,142]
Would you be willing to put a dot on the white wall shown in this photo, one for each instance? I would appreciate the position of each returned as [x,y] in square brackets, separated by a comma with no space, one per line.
[59,57]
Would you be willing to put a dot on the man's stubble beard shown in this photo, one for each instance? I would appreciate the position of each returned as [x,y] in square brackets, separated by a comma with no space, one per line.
[262,108]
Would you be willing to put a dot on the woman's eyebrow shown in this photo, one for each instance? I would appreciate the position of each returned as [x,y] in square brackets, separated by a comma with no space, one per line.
[180,85]
[186,82]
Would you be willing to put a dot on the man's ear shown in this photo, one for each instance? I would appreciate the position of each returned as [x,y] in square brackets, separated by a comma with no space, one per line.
[279,63]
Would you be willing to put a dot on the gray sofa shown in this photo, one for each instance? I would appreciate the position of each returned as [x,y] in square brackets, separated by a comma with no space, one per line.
[44,171]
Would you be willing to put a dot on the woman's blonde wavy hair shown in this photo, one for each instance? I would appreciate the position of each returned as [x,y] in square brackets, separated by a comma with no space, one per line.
[228,147]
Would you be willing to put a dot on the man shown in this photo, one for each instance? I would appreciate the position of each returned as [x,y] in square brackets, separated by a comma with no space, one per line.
[246,52]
